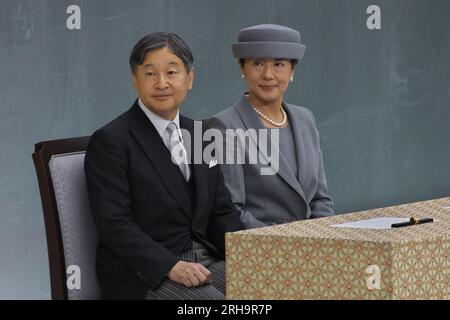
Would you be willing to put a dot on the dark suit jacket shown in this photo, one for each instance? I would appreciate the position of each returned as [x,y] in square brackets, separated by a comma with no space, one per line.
[140,205]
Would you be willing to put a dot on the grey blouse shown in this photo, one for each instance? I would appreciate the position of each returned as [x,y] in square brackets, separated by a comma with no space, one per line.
[288,149]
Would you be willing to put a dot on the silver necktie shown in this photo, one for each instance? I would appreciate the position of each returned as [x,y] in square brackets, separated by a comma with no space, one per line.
[177,150]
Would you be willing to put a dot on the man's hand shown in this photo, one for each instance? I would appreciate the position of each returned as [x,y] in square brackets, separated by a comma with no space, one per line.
[190,274]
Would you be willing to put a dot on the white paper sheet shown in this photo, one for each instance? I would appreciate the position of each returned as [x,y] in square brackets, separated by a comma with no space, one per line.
[375,223]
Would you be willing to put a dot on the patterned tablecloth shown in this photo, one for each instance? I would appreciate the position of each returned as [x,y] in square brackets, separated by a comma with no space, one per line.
[311,259]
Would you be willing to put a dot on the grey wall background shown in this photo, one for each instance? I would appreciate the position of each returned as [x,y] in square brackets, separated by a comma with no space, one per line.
[381,97]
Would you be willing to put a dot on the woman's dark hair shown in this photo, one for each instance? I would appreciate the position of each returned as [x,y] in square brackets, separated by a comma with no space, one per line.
[293,62]
[160,40]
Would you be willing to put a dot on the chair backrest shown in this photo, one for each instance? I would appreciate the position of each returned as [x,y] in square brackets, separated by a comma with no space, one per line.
[71,234]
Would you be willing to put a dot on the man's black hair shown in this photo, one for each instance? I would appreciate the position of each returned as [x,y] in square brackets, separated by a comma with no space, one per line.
[158,40]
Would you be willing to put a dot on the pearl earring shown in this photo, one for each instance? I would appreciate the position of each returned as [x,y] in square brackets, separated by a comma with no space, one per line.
[292,78]
[242,76]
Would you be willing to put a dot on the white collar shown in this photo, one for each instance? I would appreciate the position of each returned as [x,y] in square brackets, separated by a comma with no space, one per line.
[159,123]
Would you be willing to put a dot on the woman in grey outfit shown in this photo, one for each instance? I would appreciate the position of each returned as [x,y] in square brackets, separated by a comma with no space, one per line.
[296,188]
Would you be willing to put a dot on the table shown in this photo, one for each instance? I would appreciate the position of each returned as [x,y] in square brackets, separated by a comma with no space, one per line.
[310,259]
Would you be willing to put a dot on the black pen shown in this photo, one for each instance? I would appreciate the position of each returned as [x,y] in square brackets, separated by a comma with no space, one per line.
[412,221]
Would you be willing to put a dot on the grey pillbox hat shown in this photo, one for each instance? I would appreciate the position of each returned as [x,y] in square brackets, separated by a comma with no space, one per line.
[268,41]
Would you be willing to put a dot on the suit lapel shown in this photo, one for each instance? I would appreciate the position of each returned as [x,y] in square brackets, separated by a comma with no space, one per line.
[251,120]
[156,151]
[299,143]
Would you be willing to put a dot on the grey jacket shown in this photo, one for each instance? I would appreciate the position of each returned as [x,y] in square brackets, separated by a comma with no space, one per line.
[273,199]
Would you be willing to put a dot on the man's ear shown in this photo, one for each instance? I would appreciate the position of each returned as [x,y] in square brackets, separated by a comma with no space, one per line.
[191,76]
[134,80]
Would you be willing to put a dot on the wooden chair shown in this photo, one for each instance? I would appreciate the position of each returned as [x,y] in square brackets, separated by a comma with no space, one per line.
[70,230]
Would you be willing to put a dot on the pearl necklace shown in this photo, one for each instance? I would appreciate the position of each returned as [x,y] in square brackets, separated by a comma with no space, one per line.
[277,124]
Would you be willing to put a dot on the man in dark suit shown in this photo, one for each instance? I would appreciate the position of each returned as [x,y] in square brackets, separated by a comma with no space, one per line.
[161,222]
